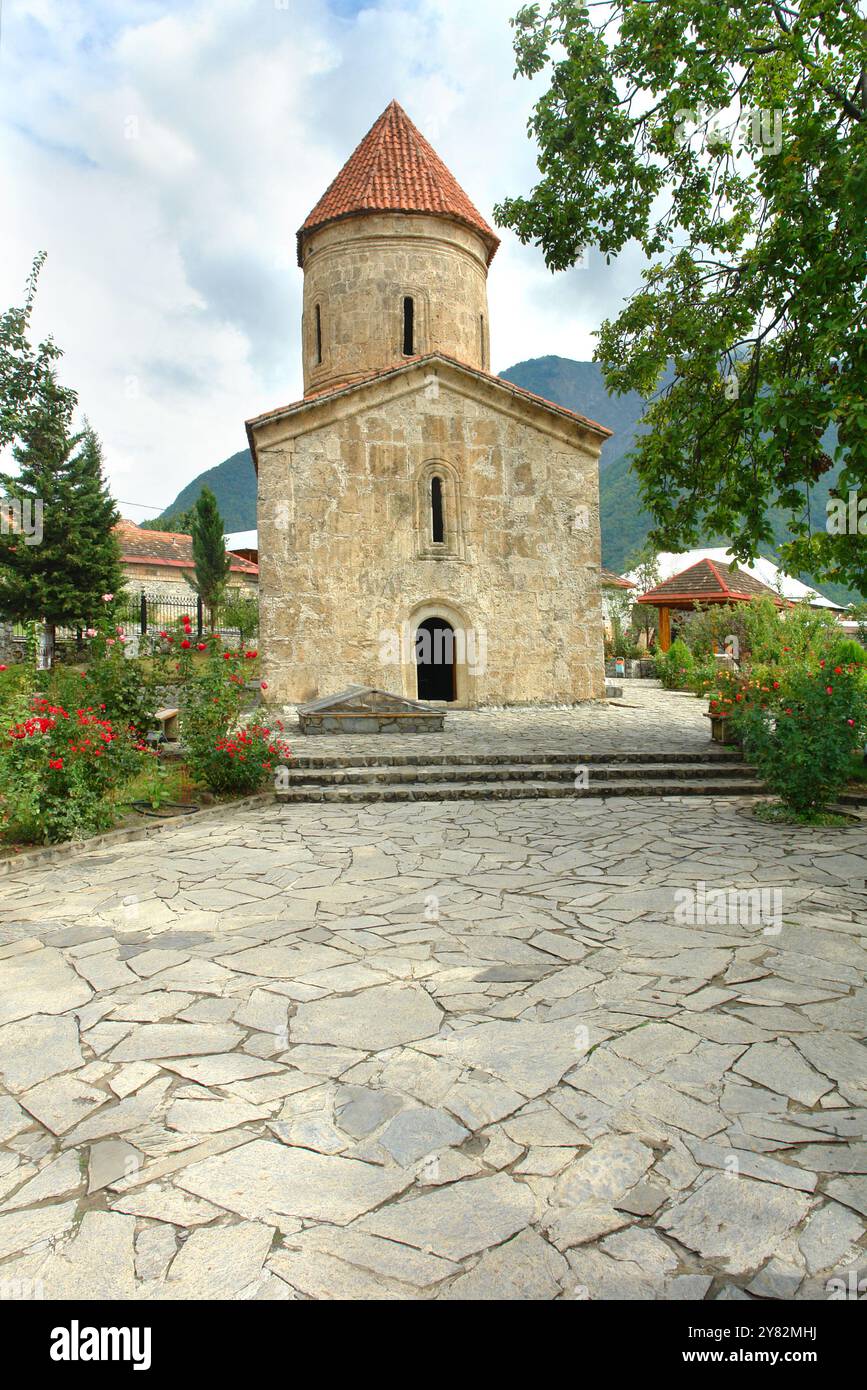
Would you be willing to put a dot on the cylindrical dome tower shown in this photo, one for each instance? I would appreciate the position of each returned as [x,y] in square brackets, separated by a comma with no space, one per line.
[395,260]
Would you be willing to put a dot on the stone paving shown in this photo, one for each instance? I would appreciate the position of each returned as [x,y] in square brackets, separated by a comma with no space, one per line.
[438,1050]
[647,719]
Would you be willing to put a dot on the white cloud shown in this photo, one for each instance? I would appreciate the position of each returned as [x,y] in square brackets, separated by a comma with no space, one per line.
[164,155]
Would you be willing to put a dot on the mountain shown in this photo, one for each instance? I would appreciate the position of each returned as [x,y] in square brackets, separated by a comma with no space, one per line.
[233,483]
[577,386]
[580,386]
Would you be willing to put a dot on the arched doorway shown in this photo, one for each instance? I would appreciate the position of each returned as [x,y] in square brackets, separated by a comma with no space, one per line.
[435,659]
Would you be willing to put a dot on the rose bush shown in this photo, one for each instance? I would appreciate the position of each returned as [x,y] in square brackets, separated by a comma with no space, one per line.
[58,769]
[800,729]
[242,760]
[222,752]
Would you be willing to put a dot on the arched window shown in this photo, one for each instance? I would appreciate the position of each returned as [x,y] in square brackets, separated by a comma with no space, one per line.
[408,326]
[437,517]
[438,524]
[318,335]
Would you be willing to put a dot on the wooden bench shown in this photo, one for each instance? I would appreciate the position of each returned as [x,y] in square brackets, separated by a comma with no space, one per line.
[168,722]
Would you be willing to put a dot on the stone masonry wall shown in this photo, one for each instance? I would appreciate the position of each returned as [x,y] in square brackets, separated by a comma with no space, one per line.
[170,582]
[344,573]
[359,271]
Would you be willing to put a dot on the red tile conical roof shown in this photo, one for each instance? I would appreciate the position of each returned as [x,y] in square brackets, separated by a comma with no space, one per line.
[394,169]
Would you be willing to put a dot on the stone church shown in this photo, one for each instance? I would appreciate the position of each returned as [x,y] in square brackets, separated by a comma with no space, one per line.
[424,526]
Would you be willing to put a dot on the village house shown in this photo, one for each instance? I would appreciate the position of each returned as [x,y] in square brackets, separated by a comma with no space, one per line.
[160,564]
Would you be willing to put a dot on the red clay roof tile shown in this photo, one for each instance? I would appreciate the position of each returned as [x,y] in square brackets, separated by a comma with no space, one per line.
[709,582]
[139,546]
[394,169]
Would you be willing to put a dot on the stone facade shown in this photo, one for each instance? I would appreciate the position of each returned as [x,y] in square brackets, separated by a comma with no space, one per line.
[358,273]
[412,496]
[346,565]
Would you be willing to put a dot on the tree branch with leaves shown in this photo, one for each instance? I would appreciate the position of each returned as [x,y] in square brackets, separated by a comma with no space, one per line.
[730,143]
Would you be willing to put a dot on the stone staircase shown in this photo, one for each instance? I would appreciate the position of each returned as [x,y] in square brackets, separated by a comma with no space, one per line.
[464,776]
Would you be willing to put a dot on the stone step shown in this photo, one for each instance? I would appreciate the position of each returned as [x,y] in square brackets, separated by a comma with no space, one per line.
[503,791]
[712,756]
[509,772]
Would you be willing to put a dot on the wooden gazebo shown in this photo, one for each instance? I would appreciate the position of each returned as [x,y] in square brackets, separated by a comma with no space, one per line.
[704,583]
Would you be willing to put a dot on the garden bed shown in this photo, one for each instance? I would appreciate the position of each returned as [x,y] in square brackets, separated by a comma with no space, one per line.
[133,827]
[777,816]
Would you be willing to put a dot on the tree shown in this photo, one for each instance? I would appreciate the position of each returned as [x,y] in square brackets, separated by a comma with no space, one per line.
[644,566]
[210,556]
[25,369]
[58,555]
[241,610]
[181,523]
[60,571]
[730,142]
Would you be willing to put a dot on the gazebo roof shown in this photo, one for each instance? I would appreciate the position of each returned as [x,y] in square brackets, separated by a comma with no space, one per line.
[709,582]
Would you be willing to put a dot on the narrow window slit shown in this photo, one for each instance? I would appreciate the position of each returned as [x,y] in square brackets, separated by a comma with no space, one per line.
[318,335]
[408,326]
[438,530]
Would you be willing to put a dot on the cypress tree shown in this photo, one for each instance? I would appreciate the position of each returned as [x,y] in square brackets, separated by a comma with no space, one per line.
[210,556]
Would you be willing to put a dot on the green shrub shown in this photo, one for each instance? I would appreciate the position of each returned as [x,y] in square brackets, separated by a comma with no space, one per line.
[675,667]
[848,652]
[14,682]
[801,732]
[704,677]
[778,636]
[118,684]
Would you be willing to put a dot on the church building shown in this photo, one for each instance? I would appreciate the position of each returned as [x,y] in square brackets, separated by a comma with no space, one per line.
[425,527]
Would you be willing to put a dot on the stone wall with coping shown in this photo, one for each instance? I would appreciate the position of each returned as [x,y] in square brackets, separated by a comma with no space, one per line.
[168,582]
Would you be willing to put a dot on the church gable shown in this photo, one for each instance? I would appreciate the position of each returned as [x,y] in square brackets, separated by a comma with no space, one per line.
[427,377]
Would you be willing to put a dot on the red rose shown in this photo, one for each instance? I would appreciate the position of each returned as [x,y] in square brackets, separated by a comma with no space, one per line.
[56,763]
[185,644]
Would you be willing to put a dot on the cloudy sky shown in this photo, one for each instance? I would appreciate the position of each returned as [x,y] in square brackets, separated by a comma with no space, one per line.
[163,153]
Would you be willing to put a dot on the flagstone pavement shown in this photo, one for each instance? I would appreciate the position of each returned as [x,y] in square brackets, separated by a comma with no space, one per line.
[437,1051]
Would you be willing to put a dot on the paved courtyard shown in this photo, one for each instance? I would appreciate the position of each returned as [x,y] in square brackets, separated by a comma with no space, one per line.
[646,719]
[439,1050]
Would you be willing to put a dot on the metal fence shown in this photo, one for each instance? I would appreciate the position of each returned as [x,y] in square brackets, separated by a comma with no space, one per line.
[140,614]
